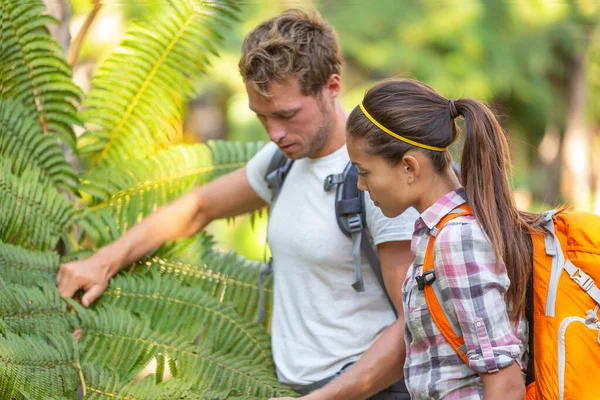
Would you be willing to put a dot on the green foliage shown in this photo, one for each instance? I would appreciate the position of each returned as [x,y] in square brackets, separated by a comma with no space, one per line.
[22,142]
[128,192]
[27,267]
[224,276]
[187,307]
[175,307]
[113,338]
[34,213]
[37,310]
[38,366]
[136,99]
[33,71]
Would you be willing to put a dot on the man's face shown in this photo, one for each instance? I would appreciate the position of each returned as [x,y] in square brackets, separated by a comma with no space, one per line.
[299,124]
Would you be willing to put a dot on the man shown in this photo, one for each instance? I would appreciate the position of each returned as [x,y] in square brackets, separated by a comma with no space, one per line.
[321,326]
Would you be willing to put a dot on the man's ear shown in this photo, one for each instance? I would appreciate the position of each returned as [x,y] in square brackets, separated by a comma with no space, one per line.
[333,86]
[410,168]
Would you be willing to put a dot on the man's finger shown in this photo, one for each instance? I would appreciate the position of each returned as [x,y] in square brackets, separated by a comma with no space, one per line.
[91,295]
[67,290]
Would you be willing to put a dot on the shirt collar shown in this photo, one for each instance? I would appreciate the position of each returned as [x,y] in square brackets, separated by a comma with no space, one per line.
[443,207]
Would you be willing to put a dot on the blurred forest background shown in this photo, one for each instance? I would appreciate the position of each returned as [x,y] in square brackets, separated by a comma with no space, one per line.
[537,62]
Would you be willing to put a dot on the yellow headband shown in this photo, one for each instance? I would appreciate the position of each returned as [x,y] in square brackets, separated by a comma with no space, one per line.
[405,140]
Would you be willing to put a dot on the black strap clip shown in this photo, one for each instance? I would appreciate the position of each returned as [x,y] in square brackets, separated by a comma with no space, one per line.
[425,279]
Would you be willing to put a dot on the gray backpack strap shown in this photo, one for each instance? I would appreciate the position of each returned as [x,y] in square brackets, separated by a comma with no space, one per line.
[351,213]
[275,176]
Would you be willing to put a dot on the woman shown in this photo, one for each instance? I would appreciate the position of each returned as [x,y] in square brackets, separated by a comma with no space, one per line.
[398,138]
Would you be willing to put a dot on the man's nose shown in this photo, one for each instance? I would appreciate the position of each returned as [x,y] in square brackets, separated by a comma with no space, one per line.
[276,131]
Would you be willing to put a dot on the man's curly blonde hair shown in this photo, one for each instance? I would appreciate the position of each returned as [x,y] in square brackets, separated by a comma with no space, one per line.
[295,44]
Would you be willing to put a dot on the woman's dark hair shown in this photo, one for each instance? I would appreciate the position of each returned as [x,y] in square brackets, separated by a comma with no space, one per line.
[417,112]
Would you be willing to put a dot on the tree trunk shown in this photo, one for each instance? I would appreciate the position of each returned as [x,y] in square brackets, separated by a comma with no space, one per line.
[61,10]
[577,146]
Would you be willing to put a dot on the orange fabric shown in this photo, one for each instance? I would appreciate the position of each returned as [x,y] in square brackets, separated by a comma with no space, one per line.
[566,331]
[531,393]
[579,236]
[435,308]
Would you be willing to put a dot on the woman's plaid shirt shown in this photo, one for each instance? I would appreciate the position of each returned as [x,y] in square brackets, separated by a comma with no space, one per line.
[473,292]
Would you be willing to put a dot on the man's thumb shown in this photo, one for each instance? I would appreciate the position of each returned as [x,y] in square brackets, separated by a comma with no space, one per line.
[91,295]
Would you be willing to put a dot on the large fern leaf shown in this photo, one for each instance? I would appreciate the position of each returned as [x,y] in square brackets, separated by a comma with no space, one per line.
[40,368]
[113,337]
[33,71]
[34,213]
[227,277]
[125,193]
[105,384]
[174,307]
[23,143]
[35,310]
[27,267]
[135,104]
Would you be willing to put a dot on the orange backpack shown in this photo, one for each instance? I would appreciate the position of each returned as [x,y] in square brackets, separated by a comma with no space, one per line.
[566,299]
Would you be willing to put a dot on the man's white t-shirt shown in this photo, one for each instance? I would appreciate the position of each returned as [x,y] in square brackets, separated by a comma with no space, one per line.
[320,323]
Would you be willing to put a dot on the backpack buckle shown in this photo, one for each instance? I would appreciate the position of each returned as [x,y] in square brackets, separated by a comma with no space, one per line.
[332,180]
[355,223]
[426,278]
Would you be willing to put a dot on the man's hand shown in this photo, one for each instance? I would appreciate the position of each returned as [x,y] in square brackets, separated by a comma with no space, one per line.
[89,275]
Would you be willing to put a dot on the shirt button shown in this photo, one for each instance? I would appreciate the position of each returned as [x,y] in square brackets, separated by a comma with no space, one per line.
[478,324]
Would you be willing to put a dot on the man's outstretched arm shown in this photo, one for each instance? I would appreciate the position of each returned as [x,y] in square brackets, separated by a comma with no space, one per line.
[227,196]
[382,364]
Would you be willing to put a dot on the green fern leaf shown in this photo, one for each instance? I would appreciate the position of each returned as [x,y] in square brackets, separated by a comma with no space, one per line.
[23,143]
[112,337]
[229,156]
[34,213]
[33,71]
[130,191]
[35,310]
[173,307]
[226,277]
[137,94]
[42,368]
[27,267]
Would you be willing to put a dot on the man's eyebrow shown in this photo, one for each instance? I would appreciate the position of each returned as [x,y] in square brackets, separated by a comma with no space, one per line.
[279,112]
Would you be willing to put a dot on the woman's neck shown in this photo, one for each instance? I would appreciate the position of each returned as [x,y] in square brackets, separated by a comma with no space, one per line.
[437,186]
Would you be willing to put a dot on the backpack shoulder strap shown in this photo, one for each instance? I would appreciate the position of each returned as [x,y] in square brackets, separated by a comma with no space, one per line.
[433,297]
[351,213]
[276,173]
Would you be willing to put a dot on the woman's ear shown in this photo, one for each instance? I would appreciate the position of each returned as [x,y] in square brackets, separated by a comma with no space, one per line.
[410,168]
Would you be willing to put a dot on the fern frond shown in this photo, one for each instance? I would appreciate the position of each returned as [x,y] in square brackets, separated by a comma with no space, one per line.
[130,191]
[100,225]
[27,267]
[23,143]
[35,311]
[34,213]
[41,368]
[112,337]
[190,249]
[173,307]
[104,384]
[137,94]
[228,156]
[33,70]
[218,373]
[226,277]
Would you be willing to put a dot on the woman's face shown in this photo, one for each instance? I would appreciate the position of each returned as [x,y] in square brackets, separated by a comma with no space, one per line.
[389,186]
